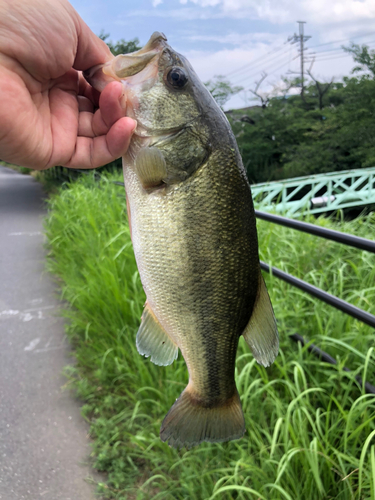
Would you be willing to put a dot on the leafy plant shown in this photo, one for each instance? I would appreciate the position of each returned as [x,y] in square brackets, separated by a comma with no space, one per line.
[221,89]
[310,427]
[121,46]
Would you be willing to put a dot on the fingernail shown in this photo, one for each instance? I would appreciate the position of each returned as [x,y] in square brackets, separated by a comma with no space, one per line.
[134,127]
[122,101]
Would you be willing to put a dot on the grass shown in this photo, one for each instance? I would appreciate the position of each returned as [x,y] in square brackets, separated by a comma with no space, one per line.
[310,427]
[17,168]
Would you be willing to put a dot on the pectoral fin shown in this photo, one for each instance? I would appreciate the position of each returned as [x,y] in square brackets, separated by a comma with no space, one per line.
[150,167]
[153,341]
[261,332]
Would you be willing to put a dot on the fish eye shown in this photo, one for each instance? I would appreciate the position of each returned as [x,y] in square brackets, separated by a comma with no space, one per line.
[177,78]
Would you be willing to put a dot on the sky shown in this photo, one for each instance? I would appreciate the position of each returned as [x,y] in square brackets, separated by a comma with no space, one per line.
[243,39]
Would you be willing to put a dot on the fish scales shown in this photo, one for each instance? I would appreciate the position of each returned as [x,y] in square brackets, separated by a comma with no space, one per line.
[194,236]
[207,260]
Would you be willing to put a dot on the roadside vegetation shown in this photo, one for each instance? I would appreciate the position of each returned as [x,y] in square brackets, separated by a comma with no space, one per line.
[310,426]
[21,170]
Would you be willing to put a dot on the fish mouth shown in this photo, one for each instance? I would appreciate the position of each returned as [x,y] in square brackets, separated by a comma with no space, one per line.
[130,69]
[130,65]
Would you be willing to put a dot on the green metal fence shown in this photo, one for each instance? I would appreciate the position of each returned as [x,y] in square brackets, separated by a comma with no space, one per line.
[317,193]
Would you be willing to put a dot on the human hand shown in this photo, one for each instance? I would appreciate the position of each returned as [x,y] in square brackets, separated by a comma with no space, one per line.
[49,114]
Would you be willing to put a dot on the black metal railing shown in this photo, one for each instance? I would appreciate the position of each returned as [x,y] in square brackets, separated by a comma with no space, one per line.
[329,234]
[342,305]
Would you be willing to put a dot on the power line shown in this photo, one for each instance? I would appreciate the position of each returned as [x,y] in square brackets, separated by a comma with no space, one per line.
[369,44]
[257,66]
[279,67]
[282,64]
[343,40]
[255,61]
[332,58]
[250,77]
[253,71]
[262,60]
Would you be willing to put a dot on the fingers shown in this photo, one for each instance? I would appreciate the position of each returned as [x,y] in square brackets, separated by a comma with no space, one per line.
[86,90]
[98,151]
[111,109]
[85,104]
[116,143]
[101,136]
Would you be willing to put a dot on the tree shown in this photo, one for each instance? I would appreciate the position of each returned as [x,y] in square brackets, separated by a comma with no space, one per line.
[363,56]
[322,88]
[221,89]
[264,98]
[121,46]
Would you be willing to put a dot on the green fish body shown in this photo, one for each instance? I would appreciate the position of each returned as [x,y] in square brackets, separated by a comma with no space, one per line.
[195,241]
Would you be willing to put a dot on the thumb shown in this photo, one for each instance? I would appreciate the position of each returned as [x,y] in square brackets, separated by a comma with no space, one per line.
[91,50]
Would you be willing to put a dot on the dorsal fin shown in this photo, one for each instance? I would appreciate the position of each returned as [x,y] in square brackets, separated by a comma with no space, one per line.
[261,332]
[152,340]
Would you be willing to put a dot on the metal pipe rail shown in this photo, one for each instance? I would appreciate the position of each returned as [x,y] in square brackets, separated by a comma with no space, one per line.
[329,234]
[340,304]
[369,388]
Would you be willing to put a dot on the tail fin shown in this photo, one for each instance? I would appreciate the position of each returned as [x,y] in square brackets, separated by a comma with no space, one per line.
[188,423]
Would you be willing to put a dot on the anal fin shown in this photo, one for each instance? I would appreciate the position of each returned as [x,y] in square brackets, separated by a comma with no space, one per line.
[261,332]
[153,341]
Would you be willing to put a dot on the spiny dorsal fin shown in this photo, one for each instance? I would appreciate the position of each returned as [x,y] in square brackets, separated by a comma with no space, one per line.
[153,341]
[261,332]
[150,167]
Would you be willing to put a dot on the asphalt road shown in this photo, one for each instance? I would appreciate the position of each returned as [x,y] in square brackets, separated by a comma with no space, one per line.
[43,439]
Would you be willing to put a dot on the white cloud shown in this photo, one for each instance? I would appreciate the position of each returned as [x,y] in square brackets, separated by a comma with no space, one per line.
[203,3]
[180,14]
[281,11]
[240,39]
[231,49]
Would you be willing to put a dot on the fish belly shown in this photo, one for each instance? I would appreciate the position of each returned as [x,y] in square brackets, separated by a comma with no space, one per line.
[197,253]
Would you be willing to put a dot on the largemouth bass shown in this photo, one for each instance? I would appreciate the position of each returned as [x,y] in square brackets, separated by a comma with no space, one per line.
[195,240]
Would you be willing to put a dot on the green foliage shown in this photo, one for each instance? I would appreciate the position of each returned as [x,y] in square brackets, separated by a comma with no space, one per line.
[221,89]
[290,137]
[121,46]
[310,427]
[363,56]
[21,170]
[55,177]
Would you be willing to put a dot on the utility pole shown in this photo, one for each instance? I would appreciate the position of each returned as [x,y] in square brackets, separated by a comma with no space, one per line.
[301,38]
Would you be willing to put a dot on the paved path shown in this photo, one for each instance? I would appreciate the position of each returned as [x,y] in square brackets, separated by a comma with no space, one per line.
[43,438]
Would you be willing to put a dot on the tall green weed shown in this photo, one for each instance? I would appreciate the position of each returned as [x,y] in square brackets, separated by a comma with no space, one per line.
[310,427]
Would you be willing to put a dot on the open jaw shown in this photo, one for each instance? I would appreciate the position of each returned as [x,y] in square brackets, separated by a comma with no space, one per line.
[130,65]
[138,68]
